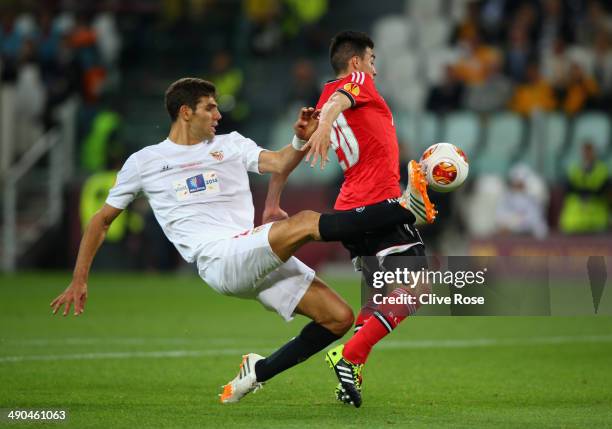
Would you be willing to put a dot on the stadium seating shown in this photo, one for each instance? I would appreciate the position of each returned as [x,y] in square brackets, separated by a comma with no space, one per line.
[436,62]
[503,135]
[433,34]
[417,129]
[462,129]
[397,71]
[411,96]
[423,9]
[392,33]
[546,142]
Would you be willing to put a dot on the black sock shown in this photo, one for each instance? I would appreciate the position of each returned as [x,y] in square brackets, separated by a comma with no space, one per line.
[311,340]
[345,225]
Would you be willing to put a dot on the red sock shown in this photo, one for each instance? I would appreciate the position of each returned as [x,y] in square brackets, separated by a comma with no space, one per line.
[363,316]
[379,325]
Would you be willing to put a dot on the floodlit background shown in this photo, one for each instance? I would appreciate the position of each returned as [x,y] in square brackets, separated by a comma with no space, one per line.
[523,87]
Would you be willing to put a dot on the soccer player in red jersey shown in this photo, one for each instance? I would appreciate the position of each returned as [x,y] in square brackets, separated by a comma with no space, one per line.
[356,121]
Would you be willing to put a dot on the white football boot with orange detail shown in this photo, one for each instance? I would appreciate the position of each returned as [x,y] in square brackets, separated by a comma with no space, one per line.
[245,382]
[415,196]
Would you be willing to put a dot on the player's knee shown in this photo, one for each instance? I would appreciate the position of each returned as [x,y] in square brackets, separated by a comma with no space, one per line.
[343,319]
[309,221]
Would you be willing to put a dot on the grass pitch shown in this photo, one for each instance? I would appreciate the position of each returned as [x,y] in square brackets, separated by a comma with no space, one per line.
[152,351]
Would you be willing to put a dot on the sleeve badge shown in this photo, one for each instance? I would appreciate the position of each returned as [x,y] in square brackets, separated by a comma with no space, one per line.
[352,88]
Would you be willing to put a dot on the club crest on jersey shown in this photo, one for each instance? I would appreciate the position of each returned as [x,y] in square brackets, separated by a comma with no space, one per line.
[218,155]
[352,88]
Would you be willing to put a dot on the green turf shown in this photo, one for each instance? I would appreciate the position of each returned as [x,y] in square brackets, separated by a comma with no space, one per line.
[538,373]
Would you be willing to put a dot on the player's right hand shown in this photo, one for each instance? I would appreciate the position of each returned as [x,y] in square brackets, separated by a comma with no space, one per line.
[75,293]
[306,123]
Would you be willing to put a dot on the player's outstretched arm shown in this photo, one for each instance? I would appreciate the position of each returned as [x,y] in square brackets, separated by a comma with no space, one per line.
[284,162]
[94,234]
[318,144]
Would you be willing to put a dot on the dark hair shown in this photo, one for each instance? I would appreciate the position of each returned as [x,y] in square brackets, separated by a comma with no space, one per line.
[345,45]
[187,91]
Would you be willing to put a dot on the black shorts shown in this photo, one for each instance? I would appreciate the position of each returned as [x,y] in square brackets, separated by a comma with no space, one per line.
[386,250]
[395,240]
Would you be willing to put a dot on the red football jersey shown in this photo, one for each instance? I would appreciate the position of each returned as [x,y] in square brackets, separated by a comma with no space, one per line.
[365,142]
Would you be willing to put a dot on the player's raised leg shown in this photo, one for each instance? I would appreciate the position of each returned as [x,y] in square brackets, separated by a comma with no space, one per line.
[415,197]
[288,235]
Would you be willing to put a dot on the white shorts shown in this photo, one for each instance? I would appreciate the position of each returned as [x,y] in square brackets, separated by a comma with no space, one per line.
[246,267]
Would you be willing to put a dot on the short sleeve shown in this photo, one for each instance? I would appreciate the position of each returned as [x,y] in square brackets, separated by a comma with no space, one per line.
[249,151]
[358,87]
[127,185]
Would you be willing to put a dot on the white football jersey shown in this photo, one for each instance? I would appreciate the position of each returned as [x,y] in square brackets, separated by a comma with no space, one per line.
[199,193]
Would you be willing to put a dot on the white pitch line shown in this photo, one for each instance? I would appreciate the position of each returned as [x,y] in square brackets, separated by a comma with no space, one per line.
[124,355]
[386,345]
[45,342]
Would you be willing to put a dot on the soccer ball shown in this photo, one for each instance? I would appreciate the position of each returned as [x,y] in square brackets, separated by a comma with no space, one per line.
[445,166]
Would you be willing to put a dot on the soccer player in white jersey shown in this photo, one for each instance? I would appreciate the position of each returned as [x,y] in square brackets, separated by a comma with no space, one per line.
[198,187]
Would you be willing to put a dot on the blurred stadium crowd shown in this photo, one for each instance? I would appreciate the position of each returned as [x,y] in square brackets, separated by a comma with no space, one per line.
[524,87]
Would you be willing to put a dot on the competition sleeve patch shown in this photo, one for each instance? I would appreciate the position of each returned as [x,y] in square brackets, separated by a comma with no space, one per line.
[352,88]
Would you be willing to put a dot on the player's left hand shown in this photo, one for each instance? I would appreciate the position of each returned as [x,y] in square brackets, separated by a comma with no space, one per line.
[306,123]
[273,214]
[318,146]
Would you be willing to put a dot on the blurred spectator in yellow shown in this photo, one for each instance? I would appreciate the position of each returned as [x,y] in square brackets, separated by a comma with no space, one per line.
[229,80]
[121,236]
[94,193]
[260,11]
[303,14]
[535,94]
[579,91]
[585,206]
[448,94]
[519,211]
[477,57]
[469,26]
[264,17]
[101,143]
